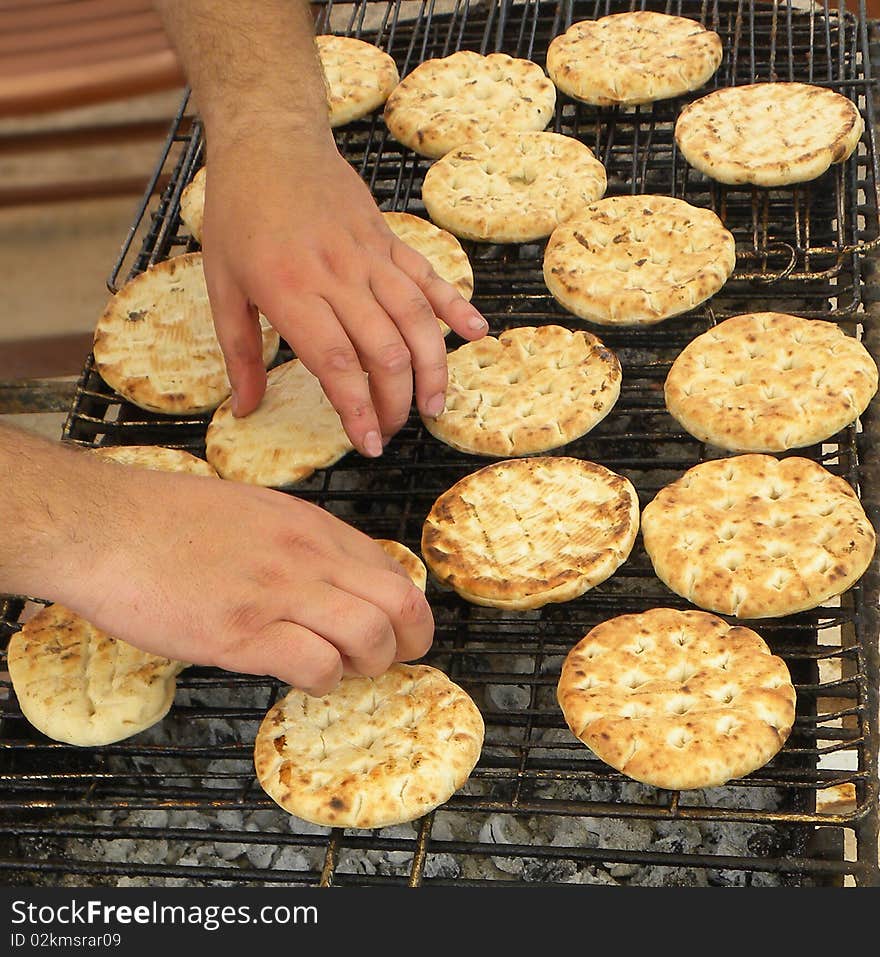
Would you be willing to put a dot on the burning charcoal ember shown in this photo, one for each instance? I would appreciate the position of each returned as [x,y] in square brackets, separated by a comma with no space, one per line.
[768,799]
[505,829]
[540,871]
[231,820]
[538,830]
[621,872]
[768,842]
[678,837]
[592,875]
[389,863]
[264,821]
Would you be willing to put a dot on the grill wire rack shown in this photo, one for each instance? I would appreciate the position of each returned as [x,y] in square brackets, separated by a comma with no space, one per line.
[180,803]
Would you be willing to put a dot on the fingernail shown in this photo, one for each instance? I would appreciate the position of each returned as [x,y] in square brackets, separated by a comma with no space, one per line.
[235,404]
[435,405]
[477,323]
[373,444]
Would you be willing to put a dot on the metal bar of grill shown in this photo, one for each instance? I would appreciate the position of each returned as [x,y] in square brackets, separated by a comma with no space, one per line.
[539,806]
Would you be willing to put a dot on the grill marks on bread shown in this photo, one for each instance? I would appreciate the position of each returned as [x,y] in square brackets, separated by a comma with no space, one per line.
[521,533]
[169,360]
[373,752]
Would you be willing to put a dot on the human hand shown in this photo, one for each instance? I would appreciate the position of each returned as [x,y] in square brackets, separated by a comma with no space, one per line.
[291,229]
[244,578]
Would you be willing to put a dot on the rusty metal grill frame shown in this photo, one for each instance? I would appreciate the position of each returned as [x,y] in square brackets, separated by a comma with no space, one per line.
[807,249]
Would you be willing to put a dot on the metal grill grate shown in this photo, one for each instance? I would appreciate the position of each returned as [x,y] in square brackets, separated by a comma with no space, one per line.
[538,806]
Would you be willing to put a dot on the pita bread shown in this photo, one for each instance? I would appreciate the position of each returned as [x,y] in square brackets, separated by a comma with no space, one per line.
[768,134]
[757,537]
[373,752]
[447,102]
[78,685]
[677,699]
[632,58]
[155,342]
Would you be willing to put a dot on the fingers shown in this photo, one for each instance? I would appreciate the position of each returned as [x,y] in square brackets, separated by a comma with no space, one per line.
[363,605]
[385,325]
[293,654]
[237,325]
[445,300]
[358,629]
[383,353]
[411,312]
[404,605]
[338,632]
[325,349]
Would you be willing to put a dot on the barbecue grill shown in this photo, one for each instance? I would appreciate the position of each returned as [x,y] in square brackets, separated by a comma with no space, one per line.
[179,804]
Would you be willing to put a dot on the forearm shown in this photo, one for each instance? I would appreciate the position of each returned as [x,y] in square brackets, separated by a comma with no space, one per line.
[250,64]
[48,494]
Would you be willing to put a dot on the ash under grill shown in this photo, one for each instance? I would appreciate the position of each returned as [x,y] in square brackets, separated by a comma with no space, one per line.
[180,802]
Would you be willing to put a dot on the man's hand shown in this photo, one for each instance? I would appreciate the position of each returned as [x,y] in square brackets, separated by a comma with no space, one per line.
[205,571]
[284,588]
[290,229]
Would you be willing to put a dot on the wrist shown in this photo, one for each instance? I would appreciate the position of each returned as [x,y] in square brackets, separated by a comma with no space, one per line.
[265,134]
[290,114]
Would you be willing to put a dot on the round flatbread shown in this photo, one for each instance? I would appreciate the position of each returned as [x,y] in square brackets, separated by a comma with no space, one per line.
[766,381]
[78,685]
[358,75]
[294,431]
[412,564]
[192,204]
[512,187]
[453,100]
[630,58]
[637,260]
[768,134]
[155,342]
[756,537]
[525,532]
[372,753]
[530,390]
[677,699]
[156,457]
[442,250]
